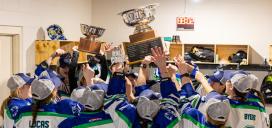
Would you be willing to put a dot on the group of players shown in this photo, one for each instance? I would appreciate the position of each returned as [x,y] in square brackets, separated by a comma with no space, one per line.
[95,94]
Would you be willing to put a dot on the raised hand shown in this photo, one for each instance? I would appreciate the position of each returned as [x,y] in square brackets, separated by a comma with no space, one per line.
[172,69]
[88,73]
[158,57]
[75,48]
[108,47]
[118,67]
[58,53]
[182,65]
[147,60]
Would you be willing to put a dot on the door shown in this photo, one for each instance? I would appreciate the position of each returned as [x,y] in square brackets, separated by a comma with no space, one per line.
[5,66]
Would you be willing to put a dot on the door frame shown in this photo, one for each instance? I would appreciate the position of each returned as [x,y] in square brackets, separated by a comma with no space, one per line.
[16,32]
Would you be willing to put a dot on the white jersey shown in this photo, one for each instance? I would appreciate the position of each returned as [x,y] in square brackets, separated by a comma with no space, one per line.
[44,120]
[123,114]
[247,115]
[8,121]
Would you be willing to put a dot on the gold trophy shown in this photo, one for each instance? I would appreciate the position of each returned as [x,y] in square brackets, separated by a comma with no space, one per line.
[89,44]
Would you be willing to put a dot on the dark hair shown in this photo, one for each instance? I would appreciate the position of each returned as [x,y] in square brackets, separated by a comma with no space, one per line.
[241,96]
[38,103]
[259,94]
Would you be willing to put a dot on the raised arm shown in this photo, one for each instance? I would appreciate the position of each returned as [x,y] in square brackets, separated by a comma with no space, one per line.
[144,71]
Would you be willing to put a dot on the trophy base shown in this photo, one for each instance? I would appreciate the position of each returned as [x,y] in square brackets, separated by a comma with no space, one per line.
[142,36]
[89,46]
[137,51]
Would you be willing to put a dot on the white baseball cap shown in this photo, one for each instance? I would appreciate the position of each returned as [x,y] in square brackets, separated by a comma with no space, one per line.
[91,99]
[147,109]
[242,82]
[218,108]
[42,88]
[18,80]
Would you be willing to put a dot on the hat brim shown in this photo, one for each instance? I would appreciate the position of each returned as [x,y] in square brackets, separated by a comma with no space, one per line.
[30,81]
[214,79]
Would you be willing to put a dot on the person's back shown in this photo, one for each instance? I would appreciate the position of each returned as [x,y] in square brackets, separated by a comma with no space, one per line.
[45,111]
[49,115]
[244,111]
[247,114]
[93,115]
[88,119]
[20,96]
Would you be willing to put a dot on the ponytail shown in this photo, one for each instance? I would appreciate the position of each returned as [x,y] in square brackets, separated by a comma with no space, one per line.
[259,94]
[36,106]
[5,103]
[241,96]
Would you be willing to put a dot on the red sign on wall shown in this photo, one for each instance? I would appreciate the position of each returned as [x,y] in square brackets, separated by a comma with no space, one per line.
[185,23]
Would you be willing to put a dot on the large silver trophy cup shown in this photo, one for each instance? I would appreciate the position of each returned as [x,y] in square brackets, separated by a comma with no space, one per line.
[143,38]
[89,44]
[140,17]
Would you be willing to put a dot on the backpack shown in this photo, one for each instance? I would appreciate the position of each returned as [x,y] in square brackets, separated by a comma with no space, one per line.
[266,88]
[199,53]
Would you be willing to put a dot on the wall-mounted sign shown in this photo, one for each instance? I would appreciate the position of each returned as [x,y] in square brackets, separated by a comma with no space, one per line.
[185,23]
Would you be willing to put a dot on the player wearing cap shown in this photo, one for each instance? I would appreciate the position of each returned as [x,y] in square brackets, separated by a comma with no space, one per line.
[93,115]
[20,96]
[161,112]
[217,81]
[45,111]
[253,94]
[216,115]
[216,109]
[67,64]
[244,113]
[118,97]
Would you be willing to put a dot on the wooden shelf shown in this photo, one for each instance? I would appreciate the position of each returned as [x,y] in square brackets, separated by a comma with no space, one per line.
[188,48]
[175,50]
[221,52]
[45,48]
[224,51]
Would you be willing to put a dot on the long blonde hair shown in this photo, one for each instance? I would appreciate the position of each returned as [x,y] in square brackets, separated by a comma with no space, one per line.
[13,94]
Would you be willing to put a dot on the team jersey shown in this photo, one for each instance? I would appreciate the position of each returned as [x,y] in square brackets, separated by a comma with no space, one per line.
[123,114]
[193,118]
[247,114]
[254,98]
[14,105]
[168,116]
[88,119]
[49,116]
[243,114]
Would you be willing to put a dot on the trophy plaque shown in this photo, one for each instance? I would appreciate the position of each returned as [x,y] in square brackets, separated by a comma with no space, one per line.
[89,44]
[137,51]
[143,38]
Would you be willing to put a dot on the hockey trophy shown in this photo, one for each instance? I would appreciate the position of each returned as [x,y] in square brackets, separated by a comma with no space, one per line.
[143,38]
[140,18]
[89,43]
